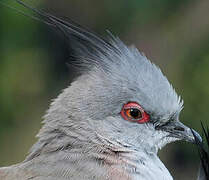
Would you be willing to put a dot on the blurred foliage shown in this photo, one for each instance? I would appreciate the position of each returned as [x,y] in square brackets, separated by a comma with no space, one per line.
[174,34]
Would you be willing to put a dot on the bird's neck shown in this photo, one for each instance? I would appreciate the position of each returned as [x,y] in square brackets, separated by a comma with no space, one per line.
[135,165]
[117,161]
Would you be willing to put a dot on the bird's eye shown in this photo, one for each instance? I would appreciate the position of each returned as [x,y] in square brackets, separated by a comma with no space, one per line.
[132,111]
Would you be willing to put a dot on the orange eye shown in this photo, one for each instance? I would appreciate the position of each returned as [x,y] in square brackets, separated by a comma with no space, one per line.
[132,111]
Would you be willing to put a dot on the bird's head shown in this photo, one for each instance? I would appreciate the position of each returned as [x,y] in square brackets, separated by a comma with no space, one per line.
[128,100]
[120,96]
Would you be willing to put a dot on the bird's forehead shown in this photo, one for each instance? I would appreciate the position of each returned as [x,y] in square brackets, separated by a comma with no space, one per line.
[153,90]
[135,78]
[121,74]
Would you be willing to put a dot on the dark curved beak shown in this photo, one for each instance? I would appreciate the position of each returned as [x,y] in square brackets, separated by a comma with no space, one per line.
[178,130]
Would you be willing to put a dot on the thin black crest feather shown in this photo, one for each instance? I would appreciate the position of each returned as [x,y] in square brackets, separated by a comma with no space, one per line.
[21,12]
[82,37]
[86,47]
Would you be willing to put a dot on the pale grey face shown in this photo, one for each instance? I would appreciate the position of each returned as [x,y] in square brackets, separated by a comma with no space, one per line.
[113,75]
[106,93]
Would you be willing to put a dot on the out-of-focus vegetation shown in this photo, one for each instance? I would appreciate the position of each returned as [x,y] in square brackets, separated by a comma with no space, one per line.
[173,34]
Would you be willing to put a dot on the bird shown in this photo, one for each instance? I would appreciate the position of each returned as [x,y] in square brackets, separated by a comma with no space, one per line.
[111,121]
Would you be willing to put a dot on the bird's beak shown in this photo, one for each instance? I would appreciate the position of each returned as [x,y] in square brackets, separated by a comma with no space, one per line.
[178,130]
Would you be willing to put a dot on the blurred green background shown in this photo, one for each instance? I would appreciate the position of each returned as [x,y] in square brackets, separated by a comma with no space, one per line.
[173,34]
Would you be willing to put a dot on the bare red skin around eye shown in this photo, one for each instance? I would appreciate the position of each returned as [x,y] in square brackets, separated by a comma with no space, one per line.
[145,117]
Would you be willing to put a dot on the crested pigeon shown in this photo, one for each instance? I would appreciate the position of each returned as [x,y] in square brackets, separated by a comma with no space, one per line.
[111,121]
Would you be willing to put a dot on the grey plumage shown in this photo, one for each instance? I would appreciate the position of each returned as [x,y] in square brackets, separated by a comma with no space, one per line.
[84,136]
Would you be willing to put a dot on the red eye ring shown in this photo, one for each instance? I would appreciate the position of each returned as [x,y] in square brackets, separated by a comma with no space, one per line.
[132,111]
